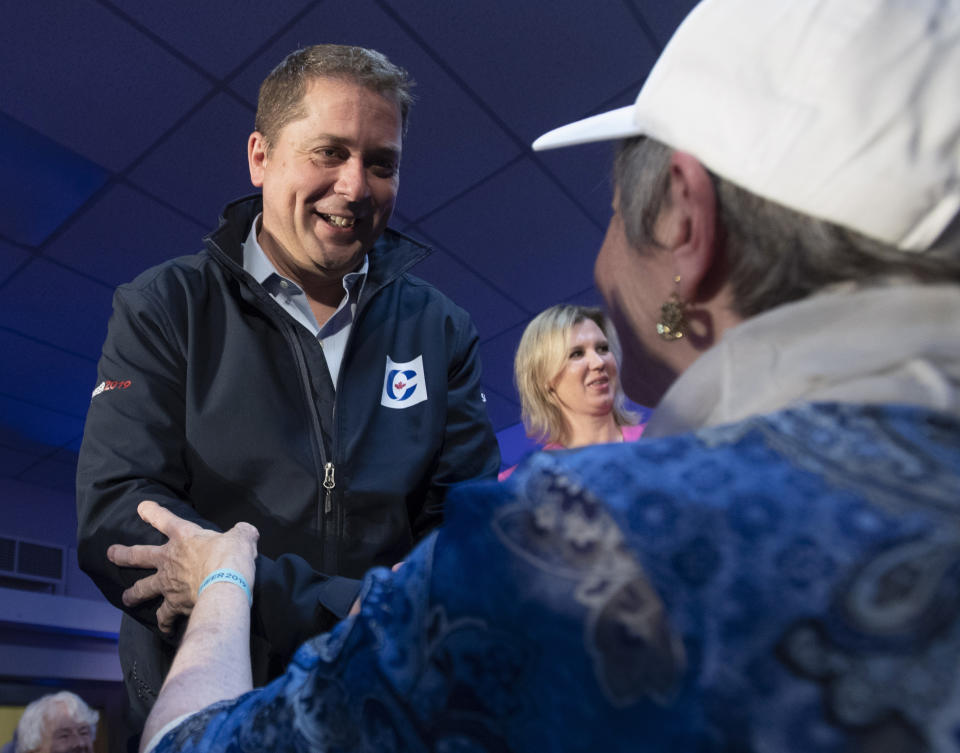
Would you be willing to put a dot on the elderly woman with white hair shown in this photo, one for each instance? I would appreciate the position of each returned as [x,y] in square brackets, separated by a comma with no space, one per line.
[57,723]
[567,372]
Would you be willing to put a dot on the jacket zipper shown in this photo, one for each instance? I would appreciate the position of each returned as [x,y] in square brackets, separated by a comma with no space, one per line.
[290,330]
[328,467]
[328,470]
[328,484]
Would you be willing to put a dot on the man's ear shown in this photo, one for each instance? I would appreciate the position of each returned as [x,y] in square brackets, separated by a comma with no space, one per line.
[256,157]
[691,215]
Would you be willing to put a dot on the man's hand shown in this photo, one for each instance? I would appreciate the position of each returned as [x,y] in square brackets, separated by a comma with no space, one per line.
[190,554]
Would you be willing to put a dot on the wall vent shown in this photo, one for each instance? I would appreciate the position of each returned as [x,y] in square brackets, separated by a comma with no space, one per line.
[8,554]
[31,565]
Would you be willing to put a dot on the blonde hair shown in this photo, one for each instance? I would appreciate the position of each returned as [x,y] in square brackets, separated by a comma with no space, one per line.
[541,356]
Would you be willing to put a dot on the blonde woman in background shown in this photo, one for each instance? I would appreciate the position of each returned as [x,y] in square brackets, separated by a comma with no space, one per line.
[567,373]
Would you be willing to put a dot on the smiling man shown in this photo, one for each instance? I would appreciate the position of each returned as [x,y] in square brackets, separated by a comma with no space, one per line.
[329,184]
[259,379]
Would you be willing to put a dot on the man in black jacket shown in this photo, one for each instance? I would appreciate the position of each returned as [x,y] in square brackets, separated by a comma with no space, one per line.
[291,375]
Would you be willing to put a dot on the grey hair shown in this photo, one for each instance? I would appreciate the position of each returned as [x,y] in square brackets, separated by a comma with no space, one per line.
[281,94]
[773,254]
[540,357]
[37,714]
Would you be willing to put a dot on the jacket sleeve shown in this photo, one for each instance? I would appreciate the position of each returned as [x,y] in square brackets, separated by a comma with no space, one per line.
[470,450]
[135,448]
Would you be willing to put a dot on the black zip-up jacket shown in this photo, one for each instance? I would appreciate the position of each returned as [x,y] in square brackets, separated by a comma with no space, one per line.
[210,400]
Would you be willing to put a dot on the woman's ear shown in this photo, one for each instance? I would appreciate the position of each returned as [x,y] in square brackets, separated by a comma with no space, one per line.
[689,224]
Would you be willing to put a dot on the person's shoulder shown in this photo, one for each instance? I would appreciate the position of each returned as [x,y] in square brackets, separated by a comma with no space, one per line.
[431,294]
[172,271]
[179,275]
[696,465]
[778,518]
[796,455]
[170,288]
[429,300]
[395,256]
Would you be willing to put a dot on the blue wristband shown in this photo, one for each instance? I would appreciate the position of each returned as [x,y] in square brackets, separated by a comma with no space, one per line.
[227,576]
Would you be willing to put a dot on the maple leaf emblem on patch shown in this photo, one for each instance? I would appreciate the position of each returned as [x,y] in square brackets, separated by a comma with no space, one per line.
[399,385]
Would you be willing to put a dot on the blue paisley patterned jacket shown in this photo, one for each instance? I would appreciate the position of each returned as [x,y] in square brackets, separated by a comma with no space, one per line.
[788,583]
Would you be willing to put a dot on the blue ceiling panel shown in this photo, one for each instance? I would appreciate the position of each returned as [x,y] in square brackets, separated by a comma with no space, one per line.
[491,311]
[81,76]
[450,146]
[661,17]
[67,455]
[48,183]
[13,462]
[588,297]
[546,62]
[452,143]
[11,260]
[533,241]
[45,376]
[122,234]
[193,28]
[35,430]
[502,412]
[50,303]
[586,171]
[204,164]
[497,355]
[515,445]
[52,474]
[402,223]
[329,21]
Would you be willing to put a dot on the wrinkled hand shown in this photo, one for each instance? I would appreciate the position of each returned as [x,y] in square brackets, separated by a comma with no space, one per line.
[190,554]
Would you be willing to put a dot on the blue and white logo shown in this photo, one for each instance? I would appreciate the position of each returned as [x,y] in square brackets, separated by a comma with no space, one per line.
[403,384]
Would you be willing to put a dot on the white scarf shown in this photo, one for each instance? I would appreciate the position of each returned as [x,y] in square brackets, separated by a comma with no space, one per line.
[893,344]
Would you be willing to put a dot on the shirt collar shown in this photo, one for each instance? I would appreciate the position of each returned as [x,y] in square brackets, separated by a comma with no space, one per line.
[256,263]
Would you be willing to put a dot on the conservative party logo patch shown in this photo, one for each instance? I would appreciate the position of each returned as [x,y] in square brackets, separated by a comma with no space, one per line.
[403,384]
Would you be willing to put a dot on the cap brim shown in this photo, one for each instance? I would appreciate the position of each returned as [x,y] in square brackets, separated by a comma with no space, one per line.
[616,124]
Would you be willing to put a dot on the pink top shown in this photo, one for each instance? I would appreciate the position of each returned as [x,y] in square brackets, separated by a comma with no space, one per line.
[630,434]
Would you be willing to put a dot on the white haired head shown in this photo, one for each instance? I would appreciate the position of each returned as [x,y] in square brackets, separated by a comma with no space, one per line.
[57,722]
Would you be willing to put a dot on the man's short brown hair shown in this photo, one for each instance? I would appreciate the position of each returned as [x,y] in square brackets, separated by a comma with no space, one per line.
[281,94]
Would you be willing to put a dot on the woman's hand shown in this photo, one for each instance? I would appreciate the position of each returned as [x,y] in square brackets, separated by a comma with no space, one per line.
[190,555]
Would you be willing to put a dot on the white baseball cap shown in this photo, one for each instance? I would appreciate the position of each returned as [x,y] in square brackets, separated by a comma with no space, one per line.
[846,110]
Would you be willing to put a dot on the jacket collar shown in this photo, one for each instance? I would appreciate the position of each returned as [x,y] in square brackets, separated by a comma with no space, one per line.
[392,255]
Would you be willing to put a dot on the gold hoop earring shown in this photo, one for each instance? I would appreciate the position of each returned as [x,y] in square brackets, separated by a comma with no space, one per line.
[672,324]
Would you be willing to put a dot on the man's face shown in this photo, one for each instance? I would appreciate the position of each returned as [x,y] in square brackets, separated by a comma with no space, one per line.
[64,734]
[330,181]
[634,283]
